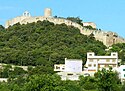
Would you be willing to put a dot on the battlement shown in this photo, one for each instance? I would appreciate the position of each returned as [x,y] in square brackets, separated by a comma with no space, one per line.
[108,38]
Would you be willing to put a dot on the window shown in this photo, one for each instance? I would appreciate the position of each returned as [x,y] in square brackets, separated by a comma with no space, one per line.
[70,74]
[77,74]
[90,54]
[90,60]
[94,65]
[89,65]
[114,55]
[27,14]
[24,14]
[106,65]
[113,60]
[123,69]
[63,68]
[57,67]
[124,75]
[107,60]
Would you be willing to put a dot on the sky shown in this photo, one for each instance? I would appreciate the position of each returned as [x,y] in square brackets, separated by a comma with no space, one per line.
[109,15]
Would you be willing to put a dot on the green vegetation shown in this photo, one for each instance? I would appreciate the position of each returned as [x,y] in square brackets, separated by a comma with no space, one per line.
[75,19]
[44,44]
[105,80]
[1,28]
[120,48]
[90,27]
[79,21]
[88,83]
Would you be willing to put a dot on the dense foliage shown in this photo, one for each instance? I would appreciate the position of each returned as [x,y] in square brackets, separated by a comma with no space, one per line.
[44,43]
[75,19]
[120,48]
[1,28]
[107,80]
[104,80]
[90,27]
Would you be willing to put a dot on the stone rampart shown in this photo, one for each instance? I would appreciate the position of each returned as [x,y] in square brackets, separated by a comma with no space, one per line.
[108,38]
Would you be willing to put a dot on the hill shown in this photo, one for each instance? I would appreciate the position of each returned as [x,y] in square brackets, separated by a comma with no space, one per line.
[43,42]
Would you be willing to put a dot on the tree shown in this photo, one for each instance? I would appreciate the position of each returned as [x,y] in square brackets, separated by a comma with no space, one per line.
[107,80]
[49,82]
[43,43]
[123,86]
[6,71]
[90,27]
[75,19]
[17,71]
[1,28]
[44,83]
[88,83]
[4,87]
[120,48]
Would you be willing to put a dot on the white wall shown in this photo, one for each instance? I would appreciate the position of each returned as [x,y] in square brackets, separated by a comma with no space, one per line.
[73,65]
[122,71]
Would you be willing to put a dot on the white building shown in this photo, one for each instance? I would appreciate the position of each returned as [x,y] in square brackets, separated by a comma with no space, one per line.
[122,72]
[71,70]
[73,65]
[59,67]
[3,79]
[95,63]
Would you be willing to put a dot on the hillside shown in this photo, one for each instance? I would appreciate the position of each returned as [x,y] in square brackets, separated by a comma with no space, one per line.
[44,44]
[38,43]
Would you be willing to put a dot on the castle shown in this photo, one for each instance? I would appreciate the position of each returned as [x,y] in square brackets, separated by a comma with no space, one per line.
[108,38]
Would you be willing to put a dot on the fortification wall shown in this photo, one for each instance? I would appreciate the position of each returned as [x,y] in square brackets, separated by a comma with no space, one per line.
[108,38]
[15,20]
[89,24]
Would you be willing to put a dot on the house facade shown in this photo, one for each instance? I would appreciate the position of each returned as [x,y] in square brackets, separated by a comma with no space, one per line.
[71,70]
[122,73]
[95,63]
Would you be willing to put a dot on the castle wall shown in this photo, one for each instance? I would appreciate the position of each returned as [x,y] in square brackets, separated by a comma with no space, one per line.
[108,38]
[89,24]
[15,20]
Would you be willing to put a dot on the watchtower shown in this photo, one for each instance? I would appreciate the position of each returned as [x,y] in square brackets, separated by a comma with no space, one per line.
[47,12]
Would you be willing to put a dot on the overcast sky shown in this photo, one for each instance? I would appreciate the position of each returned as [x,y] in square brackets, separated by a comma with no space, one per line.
[109,15]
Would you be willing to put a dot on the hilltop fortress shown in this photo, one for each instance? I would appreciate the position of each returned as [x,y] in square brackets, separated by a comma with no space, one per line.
[108,38]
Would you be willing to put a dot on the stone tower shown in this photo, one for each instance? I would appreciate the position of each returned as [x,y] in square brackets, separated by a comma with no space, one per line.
[47,12]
